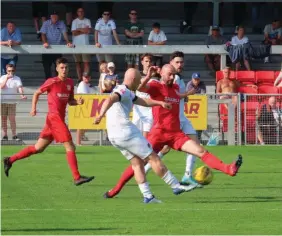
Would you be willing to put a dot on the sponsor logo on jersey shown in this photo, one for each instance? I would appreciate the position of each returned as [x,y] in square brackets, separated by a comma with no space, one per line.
[62,95]
[68,87]
[171,100]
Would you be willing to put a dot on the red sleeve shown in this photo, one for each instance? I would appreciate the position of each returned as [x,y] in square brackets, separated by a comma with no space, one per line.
[47,85]
[154,88]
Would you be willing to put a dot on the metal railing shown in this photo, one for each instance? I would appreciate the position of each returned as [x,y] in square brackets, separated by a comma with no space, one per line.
[126,49]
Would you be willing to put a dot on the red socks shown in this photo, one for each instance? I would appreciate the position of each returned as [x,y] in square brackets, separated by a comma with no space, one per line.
[215,163]
[26,152]
[125,177]
[71,157]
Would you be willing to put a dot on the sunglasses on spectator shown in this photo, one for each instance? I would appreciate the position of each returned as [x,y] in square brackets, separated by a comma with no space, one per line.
[10,70]
[106,14]
[133,13]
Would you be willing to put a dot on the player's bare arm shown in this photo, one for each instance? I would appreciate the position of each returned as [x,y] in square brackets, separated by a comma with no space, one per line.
[186,94]
[151,103]
[75,102]
[34,102]
[106,106]
[144,82]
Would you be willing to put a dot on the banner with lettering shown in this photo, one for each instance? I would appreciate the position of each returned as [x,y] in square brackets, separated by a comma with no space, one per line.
[82,117]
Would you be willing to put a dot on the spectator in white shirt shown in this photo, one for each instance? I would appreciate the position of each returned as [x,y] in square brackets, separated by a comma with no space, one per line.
[10,85]
[83,88]
[272,35]
[81,27]
[157,37]
[104,28]
[241,39]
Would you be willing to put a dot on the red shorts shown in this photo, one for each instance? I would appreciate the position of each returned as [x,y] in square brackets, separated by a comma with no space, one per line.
[55,128]
[159,138]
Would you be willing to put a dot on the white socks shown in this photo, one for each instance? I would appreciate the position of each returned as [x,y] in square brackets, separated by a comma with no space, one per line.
[145,190]
[148,166]
[171,180]
[190,162]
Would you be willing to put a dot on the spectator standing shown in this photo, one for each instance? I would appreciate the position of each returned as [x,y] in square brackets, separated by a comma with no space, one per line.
[39,9]
[272,35]
[104,28]
[53,31]
[83,88]
[241,39]
[198,87]
[213,60]
[10,85]
[134,32]
[10,36]
[81,27]
[157,37]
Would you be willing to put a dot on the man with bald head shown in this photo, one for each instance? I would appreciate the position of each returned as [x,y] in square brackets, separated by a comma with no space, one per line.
[125,136]
[166,128]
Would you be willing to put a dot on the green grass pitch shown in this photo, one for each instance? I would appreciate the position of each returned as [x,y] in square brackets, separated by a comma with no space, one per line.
[40,198]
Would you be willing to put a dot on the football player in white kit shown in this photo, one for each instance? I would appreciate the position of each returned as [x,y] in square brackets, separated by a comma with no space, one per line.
[177,61]
[142,116]
[125,136]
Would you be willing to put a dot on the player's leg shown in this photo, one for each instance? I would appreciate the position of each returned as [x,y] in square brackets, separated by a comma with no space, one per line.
[194,148]
[39,147]
[140,177]
[161,154]
[61,134]
[188,129]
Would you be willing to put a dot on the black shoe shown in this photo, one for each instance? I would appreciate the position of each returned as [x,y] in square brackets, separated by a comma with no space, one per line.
[5,138]
[83,180]
[16,138]
[7,165]
[106,195]
[39,36]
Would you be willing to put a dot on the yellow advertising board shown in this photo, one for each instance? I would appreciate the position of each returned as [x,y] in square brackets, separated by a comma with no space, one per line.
[82,117]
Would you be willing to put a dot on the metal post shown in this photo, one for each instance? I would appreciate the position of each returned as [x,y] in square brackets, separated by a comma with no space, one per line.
[215,12]
[222,61]
[245,118]
[239,126]
[231,124]
[101,137]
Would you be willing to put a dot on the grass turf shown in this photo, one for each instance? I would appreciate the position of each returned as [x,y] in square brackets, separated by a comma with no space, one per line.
[40,198]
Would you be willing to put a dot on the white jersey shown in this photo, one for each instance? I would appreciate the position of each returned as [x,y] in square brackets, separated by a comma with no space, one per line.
[140,111]
[105,31]
[118,121]
[182,89]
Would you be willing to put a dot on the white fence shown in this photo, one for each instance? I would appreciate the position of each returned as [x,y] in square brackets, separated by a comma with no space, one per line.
[126,49]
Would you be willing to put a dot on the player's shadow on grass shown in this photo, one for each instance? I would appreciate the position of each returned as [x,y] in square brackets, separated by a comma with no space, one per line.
[244,200]
[57,229]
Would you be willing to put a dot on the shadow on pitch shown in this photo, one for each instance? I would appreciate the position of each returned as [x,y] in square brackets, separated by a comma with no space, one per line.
[56,229]
[244,200]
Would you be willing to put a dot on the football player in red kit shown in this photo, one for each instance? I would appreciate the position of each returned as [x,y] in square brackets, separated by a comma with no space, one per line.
[60,90]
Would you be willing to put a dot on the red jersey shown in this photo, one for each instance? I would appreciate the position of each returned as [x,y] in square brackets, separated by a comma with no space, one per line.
[59,93]
[165,119]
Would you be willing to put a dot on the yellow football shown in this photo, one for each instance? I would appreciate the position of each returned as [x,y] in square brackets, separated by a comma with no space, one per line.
[203,175]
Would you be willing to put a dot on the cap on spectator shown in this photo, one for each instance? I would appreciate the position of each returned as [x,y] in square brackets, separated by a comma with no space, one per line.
[54,12]
[196,76]
[215,27]
[86,74]
[111,64]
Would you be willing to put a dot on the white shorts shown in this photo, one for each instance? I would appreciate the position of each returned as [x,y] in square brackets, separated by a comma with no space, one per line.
[144,124]
[186,127]
[136,146]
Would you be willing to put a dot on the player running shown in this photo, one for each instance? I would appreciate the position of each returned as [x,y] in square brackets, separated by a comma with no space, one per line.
[60,92]
[125,136]
[166,127]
